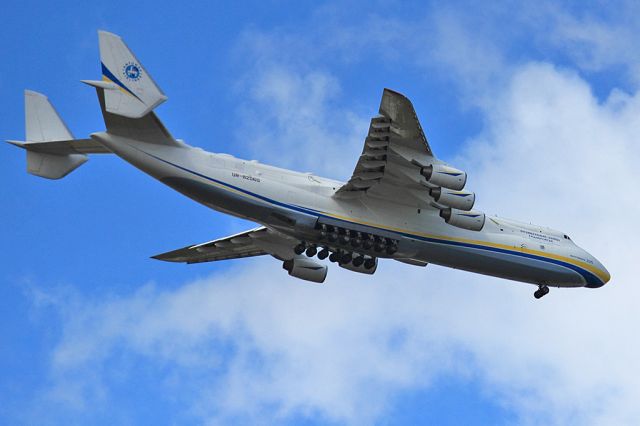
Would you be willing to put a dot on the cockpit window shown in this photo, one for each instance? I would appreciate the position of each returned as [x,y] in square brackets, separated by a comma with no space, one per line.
[566,237]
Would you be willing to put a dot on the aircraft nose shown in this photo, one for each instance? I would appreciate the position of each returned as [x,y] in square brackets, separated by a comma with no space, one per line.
[606,276]
[602,273]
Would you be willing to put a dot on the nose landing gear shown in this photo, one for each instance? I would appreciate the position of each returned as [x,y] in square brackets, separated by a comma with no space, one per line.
[541,291]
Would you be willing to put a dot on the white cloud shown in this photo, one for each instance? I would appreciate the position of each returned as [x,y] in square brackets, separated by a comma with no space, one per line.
[319,346]
[592,37]
[344,350]
[267,347]
[293,113]
[546,137]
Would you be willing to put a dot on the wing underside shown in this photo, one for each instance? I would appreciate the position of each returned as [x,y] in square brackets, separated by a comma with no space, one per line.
[256,242]
[394,151]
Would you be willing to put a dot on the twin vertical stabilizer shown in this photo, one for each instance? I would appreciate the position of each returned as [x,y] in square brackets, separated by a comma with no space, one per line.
[130,91]
[127,96]
[49,153]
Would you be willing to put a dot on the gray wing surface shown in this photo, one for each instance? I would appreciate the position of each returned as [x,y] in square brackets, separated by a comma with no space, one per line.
[394,151]
[256,242]
[64,147]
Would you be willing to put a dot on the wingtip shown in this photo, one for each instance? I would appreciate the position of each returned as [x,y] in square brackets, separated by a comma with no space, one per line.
[19,144]
[103,33]
[100,84]
[28,92]
[162,256]
[393,92]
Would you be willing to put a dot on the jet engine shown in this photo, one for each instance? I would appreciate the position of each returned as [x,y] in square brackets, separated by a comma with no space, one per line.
[461,200]
[305,269]
[443,175]
[369,266]
[471,220]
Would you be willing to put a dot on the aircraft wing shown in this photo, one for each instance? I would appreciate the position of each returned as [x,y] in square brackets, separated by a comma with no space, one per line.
[256,242]
[394,151]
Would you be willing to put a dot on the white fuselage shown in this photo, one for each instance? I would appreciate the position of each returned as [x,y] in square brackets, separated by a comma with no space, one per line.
[271,196]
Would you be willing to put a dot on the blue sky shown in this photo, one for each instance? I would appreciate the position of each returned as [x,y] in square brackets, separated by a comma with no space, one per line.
[539,103]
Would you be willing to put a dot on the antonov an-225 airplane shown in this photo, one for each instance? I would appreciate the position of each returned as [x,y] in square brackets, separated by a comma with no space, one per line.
[401,203]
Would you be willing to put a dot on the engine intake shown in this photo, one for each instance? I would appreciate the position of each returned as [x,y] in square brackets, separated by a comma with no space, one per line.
[305,269]
[443,175]
[462,200]
[471,220]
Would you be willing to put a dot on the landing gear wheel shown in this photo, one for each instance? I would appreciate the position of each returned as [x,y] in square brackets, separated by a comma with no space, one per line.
[346,258]
[322,254]
[369,263]
[541,291]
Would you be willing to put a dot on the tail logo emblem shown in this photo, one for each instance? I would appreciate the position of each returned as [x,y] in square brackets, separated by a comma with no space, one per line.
[132,71]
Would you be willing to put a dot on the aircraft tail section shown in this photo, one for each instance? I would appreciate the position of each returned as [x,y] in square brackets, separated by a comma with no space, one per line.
[130,90]
[128,95]
[42,121]
[52,152]
[147,129]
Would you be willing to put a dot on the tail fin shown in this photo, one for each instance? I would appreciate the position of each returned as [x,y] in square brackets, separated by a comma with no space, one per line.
[128,94]
[43,123]
[52,152]
[133,92]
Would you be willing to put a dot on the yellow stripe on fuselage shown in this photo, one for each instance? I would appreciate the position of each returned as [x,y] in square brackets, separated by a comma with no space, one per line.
[603,276]
[597,272]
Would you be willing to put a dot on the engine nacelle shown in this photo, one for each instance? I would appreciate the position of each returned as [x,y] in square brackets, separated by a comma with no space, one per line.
[361,268]
[443,175]
[471,220]
[306,269]
[461,200]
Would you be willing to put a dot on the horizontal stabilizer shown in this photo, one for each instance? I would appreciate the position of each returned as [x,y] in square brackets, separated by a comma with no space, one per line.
[52,166]
[132,92]
[52,152]
[72,146]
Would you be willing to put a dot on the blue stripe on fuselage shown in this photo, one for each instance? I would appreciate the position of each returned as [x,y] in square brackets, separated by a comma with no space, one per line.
[592,280]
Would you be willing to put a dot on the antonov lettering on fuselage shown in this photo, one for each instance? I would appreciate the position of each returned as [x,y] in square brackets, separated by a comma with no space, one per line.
[401,203]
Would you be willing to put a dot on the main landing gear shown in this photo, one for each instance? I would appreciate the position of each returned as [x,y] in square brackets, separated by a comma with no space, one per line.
[541,291]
